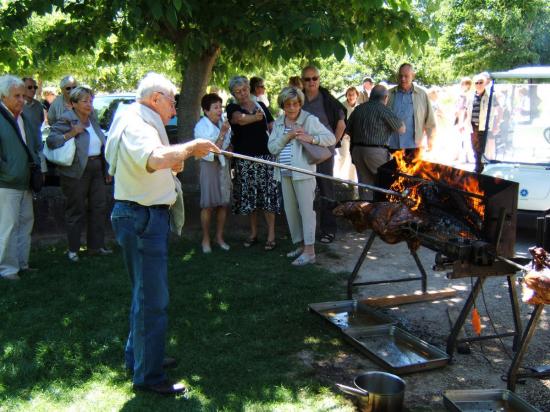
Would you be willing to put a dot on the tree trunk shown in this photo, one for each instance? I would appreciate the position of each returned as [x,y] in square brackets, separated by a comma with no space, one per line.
[196,76]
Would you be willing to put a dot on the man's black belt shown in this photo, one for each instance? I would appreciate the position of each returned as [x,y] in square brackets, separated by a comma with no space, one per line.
[97,157]
[382,146]
[129,202]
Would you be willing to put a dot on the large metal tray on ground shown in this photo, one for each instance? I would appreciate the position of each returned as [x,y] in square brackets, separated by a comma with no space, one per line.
[485,400]
[396,350]
[350,313]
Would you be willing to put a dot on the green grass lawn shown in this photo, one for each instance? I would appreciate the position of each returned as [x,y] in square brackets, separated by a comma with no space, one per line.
[237,321]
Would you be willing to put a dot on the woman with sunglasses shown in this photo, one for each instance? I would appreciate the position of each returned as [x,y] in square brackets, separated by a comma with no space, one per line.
[83,182]
[62,102]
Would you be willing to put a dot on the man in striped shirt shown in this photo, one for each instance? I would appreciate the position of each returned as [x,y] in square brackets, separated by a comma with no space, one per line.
[370,126]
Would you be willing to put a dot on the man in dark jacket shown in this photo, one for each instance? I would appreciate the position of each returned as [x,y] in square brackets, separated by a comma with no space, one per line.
[370,127]
[332,115]
[17,137]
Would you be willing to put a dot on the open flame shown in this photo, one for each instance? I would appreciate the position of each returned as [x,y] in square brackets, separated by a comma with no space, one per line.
[418,168]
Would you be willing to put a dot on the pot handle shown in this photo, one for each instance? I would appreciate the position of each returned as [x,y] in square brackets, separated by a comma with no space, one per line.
[352,391]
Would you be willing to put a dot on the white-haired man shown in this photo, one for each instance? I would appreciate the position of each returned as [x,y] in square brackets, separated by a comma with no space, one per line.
[147,204]
[19,147]
[411,104]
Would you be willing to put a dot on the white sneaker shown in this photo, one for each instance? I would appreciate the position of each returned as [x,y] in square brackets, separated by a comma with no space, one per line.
[224,246]
[303,259]
[73,256]
[11,276]
[295,253]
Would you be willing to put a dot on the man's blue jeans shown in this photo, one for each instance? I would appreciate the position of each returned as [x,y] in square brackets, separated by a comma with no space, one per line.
[142,233]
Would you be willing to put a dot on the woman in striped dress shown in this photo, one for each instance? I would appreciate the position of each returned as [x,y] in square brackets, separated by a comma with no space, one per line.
[289,130]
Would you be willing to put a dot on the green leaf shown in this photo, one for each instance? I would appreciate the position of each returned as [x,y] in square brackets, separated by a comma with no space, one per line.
[177,4]
[156,9]
[315,28]
[339,52]
[172,17]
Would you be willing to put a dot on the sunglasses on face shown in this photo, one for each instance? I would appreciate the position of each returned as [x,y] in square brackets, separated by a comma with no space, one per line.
[69,88]
[480,82]
[32,87]
[310,79]
[260,86]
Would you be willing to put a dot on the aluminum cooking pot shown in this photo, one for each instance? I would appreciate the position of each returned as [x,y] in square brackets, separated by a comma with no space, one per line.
[377,392]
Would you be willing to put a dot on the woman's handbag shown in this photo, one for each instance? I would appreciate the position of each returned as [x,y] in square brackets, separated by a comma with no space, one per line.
[62,155]
[316,154]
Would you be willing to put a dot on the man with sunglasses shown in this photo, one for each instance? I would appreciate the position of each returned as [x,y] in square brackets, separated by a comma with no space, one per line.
[332,114]
[33,109]
[476,118]
[62,102]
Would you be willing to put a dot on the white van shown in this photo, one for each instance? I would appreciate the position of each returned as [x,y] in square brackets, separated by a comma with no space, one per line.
[518,146]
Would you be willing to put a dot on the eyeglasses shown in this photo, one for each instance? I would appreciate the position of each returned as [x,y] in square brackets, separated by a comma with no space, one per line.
[480,82]
[310,79]
[32,87]
[69,88]
[172,101]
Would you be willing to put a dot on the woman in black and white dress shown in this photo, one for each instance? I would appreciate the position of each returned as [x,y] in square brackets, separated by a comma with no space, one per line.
[254,186]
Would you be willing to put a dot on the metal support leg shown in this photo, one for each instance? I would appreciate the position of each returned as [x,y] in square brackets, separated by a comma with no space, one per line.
[422,271]
[515,310]
[527,335]
[359,263]
[452,340]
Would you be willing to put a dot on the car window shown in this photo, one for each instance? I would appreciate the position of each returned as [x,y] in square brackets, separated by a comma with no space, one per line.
[520,123]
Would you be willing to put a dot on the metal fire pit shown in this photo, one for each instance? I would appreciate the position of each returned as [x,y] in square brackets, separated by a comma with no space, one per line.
[467,243]
[497,227]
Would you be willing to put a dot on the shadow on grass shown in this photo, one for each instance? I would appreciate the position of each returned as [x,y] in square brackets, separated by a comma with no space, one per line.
[237,321]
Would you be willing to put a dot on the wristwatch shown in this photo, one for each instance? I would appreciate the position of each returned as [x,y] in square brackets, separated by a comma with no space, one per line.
[316,140]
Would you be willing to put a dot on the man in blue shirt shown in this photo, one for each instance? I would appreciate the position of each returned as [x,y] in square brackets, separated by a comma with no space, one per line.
[411,104]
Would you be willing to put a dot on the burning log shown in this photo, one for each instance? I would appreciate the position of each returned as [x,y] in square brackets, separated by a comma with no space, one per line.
[536,283]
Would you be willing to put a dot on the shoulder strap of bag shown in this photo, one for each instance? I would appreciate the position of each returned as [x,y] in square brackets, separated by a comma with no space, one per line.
[14,124]
[265,117]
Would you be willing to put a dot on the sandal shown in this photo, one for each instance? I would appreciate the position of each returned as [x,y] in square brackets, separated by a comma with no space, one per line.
[327,238]
[250,241]
[270,245]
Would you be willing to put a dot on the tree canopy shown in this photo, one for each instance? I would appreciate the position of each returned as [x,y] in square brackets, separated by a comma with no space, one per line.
[245,34]
[495,34]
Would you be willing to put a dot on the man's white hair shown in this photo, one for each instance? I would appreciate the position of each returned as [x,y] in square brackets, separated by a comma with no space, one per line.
[154,82]
[7,82]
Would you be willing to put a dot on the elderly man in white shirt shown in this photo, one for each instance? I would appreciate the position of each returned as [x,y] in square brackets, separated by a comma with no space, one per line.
[147,202]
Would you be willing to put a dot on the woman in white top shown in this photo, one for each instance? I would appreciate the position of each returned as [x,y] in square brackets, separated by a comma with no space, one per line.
[83,182]
[343,166]
[289,130]
[215,181]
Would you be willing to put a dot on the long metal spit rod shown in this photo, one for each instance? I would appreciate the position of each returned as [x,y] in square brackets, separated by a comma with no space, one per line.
[321,175]
[511,262]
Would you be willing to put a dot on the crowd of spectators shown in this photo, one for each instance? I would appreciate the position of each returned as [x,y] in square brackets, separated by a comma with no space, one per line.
[361,131]
[137,155]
